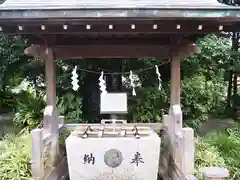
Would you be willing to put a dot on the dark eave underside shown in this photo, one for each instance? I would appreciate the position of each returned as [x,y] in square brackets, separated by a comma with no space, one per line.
[109,27]
[111,40]
[90,32]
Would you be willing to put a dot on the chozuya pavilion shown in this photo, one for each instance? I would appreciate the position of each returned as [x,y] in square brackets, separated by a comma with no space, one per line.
[67,29]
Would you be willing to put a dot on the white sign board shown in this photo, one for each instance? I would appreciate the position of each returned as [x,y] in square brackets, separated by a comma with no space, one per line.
[113,103]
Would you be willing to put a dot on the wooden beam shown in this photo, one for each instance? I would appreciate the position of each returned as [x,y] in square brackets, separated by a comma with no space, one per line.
[96,39]
[106,39]
[78,26]
[92,51]
[36,51]
[108,51]
[132,48]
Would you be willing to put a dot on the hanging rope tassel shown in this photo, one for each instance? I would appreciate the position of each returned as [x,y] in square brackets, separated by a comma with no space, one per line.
[159,78]
[102,84]
[75,79]
[132,83]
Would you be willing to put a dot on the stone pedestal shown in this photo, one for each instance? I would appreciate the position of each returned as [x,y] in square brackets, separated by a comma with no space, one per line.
[214,173]
[191,177]
[113,158]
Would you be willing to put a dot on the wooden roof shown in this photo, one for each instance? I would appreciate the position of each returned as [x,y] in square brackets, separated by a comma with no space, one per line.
[88,4]
[113,28]
[117,16]
[116,8]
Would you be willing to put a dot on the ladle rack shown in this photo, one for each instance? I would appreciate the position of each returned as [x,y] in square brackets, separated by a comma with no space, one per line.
[112,128]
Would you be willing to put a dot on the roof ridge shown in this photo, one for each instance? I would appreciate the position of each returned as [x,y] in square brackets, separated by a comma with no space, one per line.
[26,4]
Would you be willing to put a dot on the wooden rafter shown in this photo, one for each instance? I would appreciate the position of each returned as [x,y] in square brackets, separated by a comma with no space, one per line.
[105,27]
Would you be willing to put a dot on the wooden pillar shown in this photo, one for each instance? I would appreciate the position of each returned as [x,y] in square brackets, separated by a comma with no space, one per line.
[175,112]
[50,73]
[47,54]
[175,80]
[175,109]
[51,121]
[182,139]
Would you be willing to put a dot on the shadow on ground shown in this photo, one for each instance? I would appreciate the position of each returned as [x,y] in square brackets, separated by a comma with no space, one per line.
[216,124]
[7,126]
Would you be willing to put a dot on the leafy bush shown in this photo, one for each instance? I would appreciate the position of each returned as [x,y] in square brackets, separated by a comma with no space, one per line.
[15,157]
[214,57]
[228,144]
[63,136]
[150,105]
[31,104]
[221,149]
[7,101]
[201,97]
[207,155]
[29,109]
[12,60]
[69,105]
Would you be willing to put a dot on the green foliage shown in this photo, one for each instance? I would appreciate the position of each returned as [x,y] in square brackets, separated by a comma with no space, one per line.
[203,87]
[15,157]
[203,94]
[230,2]
[150,105]
[214,58]
[228,144]
[148,78]
[237,101]
[69,105]
[221,149]
[7,101]
[29,109]
[63,136]
[207,156]
[12,61]
[31,103]
[201,97]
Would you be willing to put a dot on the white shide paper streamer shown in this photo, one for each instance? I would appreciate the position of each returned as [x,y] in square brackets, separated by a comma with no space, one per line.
[159,78]
[132,83]
[74,78]
[102,84]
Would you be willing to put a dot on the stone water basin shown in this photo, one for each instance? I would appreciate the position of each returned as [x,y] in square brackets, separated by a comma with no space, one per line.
[112,155]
